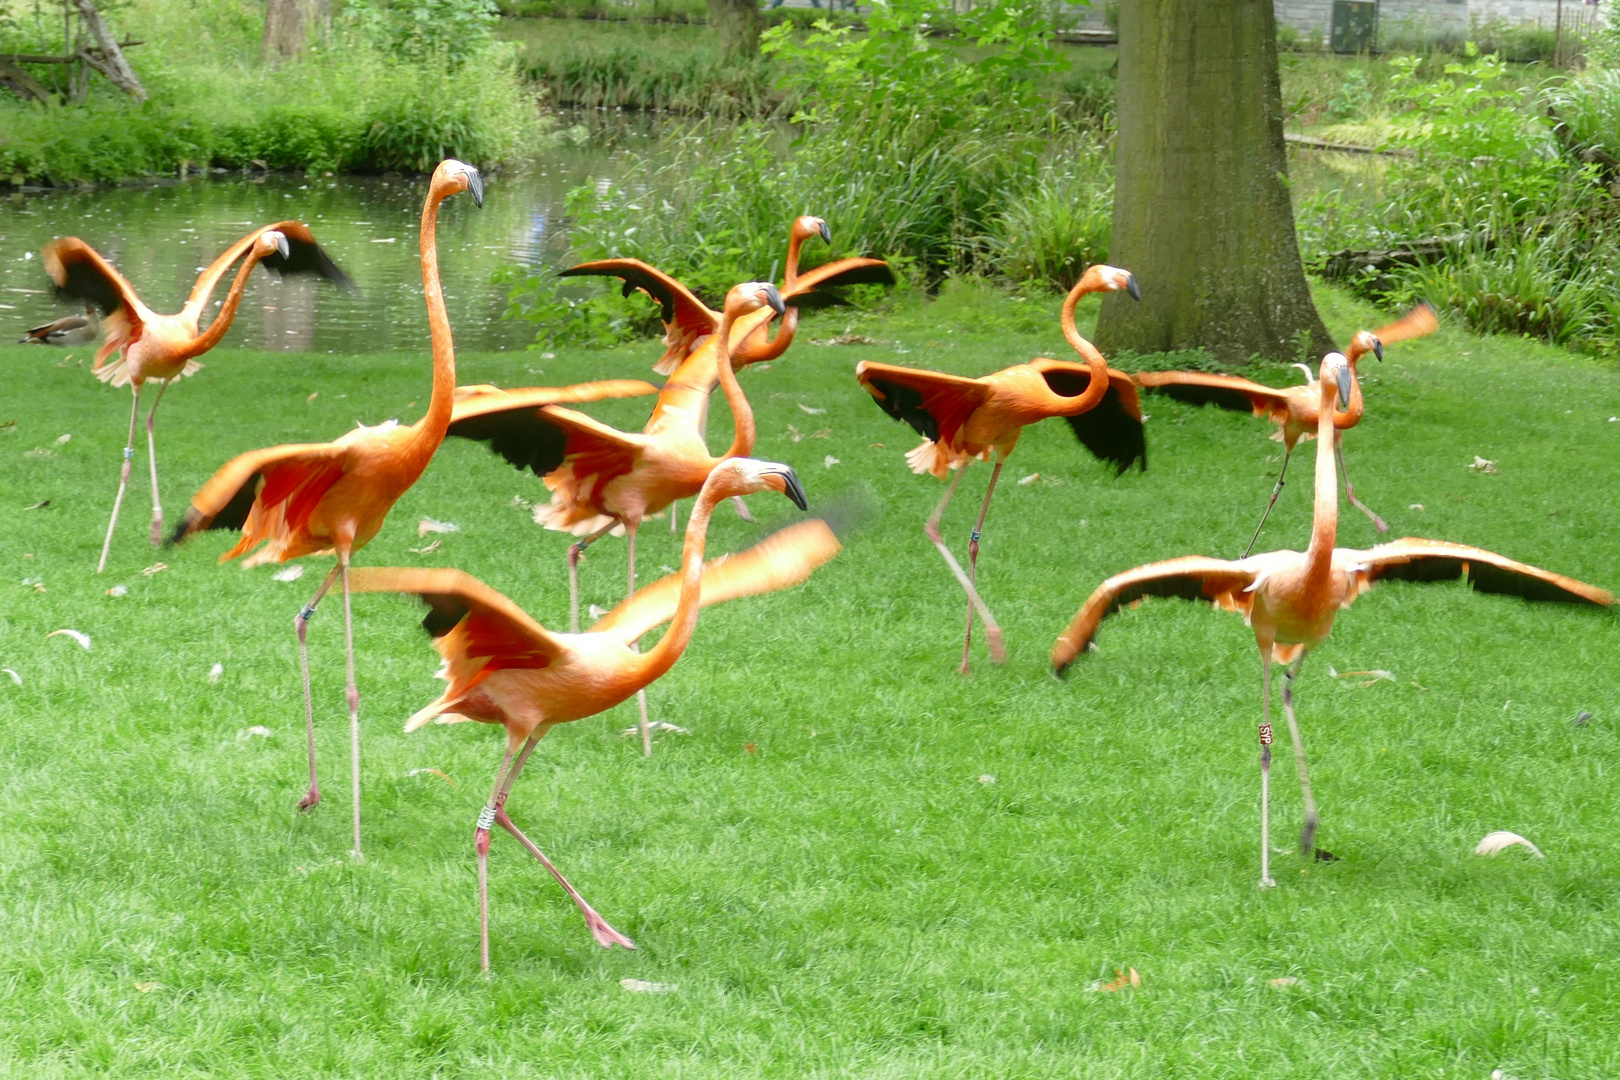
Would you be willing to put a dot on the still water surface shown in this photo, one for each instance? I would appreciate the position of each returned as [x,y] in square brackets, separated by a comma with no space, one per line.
[161,236]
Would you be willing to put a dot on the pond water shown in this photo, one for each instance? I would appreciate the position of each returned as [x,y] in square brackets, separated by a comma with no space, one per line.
[160,236]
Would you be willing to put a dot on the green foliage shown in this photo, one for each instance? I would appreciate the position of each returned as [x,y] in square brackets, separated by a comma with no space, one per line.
[447,31]
[637,76]
[1352,97]
[591,314]
[1050,232]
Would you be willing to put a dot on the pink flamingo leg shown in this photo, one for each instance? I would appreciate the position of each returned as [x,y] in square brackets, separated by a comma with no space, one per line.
[605,935]
[352,693]
[931,527]
[1350,492]
[123,476]
[641,695]
[151,459]
[575,550]
[301,625]
[973,561]
[1307,836]
[1265,768]
[1276,491]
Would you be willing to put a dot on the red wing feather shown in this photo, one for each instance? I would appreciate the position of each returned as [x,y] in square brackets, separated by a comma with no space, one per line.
[1415,559]
[1192,578]
[933,403]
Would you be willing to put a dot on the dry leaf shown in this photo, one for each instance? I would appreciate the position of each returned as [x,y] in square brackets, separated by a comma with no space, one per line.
[82,639]
[430,549]
[155,568]
[291,573]
[118,590]
[829,461]
[63,440]
[312,397]
[794,434]
[1286,980]
[656,727]
[876,446]
[750,747]
[642,986]
[147,987]
[1030,479]
[16,678]
[1482,465]
[812,411]
[1123,980]
[1498,842]
[821,433]
[428,525]
[1415,506]
[986,778]
[432,772]
[1378,675]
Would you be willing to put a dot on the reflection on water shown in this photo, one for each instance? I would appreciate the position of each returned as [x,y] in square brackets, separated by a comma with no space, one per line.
[160,237]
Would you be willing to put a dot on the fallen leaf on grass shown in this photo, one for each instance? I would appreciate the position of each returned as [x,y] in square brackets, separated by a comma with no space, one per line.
[877,446]
[987,779]
[39,452]
[750,747]
[1124,980]
[1030,479]
[312,397]
[216,673]
[257,731]
[845,339]
[1415,506]
[63,440]
[1498,842]
[1482,465]
[794,434]
[809,409]
[428,525]
[1286,980]
[656,727]
[155,568]
[1378,675]
[118,590]
[829,461]
[82,639]
[642,986]
[291,573]
[16,678]
[147,987]
[432,772]
[430,549]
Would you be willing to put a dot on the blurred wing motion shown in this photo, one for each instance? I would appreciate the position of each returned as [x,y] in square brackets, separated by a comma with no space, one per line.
[476,629]
[782,560]
[304,256]
[513,424]
[1419,322]
[1191,578]
[812,289]
[1416,559]
[686,318]
[284,482]
[81,274]
[1223,391]
[934,404]
[1112,431]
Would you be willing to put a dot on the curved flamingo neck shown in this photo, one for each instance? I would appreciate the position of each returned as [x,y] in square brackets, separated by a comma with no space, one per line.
[436,421]
[652,664]
[774,347]
[790,268]
[1325,516]
[227,311]
[1088,283]
[742,414]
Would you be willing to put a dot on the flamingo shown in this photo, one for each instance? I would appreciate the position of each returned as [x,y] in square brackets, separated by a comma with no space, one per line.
[313,498]
[68,330]
[505,668]
[1290,598]
[603,479]
[165,347]
[961,419]
[1293,409]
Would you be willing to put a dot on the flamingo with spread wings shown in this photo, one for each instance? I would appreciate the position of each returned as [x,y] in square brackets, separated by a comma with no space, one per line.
[504,668]
[1290,598]
[165,347]
[961,419]
[1293,408]
[314,498]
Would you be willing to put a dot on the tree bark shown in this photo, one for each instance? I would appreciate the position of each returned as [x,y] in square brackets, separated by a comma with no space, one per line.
[21,83]
[111,62]
[290,24]
[1201,210]
[736,23]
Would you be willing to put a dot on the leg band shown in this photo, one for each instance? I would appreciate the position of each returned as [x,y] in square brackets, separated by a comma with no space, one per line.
[1265,734]
[486,818]
[129,452]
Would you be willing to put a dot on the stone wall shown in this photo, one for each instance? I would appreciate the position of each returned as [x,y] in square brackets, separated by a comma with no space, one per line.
[1438,16]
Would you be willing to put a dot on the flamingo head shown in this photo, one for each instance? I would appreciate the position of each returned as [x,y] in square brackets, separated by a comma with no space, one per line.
[464,178]
[751,296]
[1366,342]
[744,476]
[1336,369]
[272,242]
[805,227]
[1100,277]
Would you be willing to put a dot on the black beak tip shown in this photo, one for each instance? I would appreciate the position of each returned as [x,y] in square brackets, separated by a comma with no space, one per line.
[475,186]
[795,490]
[1378,349]
[283,247]
[826,233]
[773,297]
[1133,288]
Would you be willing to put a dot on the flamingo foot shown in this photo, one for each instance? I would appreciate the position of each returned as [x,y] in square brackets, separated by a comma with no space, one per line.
[605,935]
[1307,836]
[1267,883]
[157,527]
[310,799]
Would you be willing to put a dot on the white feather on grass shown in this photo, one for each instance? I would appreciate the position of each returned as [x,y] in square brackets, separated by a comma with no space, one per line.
[1500,841]
[81,638]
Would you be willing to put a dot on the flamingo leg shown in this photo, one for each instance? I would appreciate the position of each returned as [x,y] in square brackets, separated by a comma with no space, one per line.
[674,516]
[301,625]
[1350,492]
[352,693]
[575,550]
[998,654]
[123,477]
[1307,836]
[151,460]
[486,818]
[1276,491]
[973,560]
[1265,768]
[641,695]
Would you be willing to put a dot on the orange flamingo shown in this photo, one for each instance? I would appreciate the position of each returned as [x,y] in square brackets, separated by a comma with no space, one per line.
[1293,409]
[313,498]
[603,479]
[165,347]
[505,668]
[961,419]
[68,330]
[1290,598]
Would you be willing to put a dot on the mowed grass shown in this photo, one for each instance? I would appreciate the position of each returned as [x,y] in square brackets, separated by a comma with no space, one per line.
[822,867]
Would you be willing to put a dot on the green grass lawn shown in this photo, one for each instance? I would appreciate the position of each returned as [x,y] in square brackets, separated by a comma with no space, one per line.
[822,867]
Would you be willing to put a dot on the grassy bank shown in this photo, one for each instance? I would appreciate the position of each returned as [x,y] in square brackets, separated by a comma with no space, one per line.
[820,868]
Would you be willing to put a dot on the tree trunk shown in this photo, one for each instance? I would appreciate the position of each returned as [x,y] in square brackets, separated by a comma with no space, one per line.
[111,62]
[736,24]
[290,24]
[1201,210]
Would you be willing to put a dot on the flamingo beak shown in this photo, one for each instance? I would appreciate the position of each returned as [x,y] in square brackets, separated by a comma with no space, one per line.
[475,186]
[773,297]
[794,490]
[1344,386]
[282,245]
[1378,349]
[1133,288]
[826,233]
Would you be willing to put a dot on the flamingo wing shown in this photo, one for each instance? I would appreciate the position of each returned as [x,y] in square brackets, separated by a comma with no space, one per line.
[936,405]
[811,288]
[1193,577]
[1416,559]
[1112,430]
[513,424]
[476,629]
[1222,391]
[782,560]
[297,474]
[80,273]
[1418,322]
[304,256]
[685,317]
